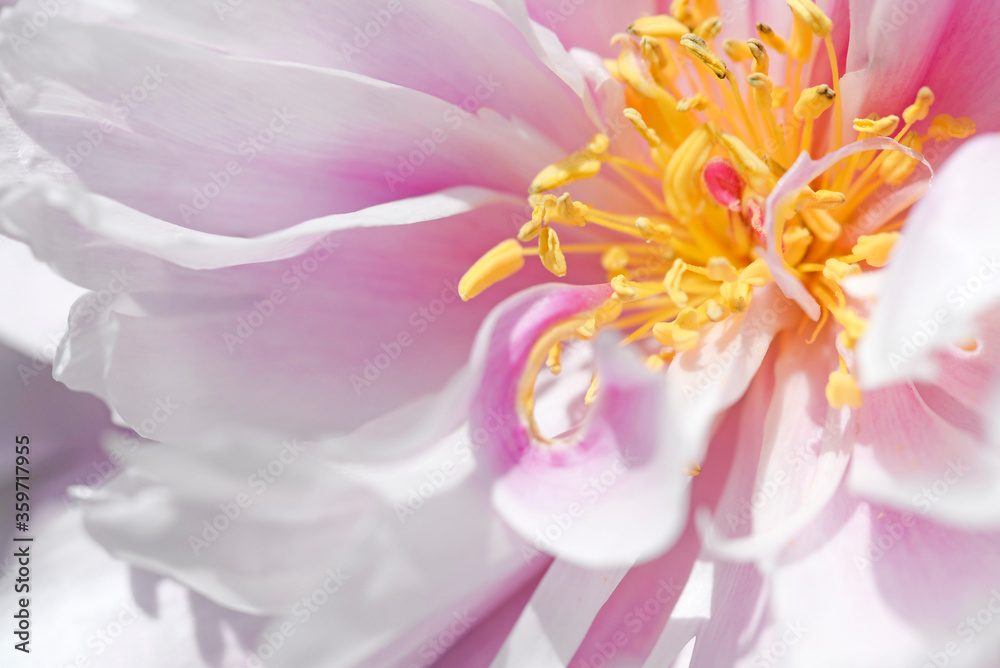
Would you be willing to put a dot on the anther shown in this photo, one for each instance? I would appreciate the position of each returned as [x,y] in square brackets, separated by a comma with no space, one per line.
[502,261]
[580,165]
[945,127]
[771,38]
[640,126]
[877,127]
[672,283]
[874,248]
[533,227]
[698,102]
[813,16]
[700,50]
[550,252]
[842,390]
[837,271]
[714,310]
[661,27]
[709,28]
[921,106]
[625,290]
[759,55]
[813,102]
[681,334]
[818,199]
[570,212]
[653,231]
[737,50]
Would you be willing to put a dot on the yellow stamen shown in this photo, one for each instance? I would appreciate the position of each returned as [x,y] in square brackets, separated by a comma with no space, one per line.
[550,253]
[874,248]
[796,244]
[779,97]
[687,255]
[682,180]
[661,27]
[813,102]
[854,325]
[813,16]
[626,291]
[756,273]
[672,283]
[502,261]
[837,271]
[920,108]
[714,311]
[945,127]
[822,224]
[653,231]
[698,102]
[681,334]
[554,361]
[818,199]
[640,126]
[709,28]
[842,390]
[800,43]
[876,127]
[697,47]
[581,165]
[897,166]
[681,10]
[737,50]
[772,39]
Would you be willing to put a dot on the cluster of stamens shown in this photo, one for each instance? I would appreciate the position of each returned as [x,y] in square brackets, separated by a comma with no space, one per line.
[717,148]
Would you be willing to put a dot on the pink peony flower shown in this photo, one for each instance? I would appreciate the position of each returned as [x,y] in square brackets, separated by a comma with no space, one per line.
[731,410]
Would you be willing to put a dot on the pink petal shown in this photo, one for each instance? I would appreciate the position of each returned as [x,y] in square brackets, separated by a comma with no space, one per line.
[33,326]
[548,632]
[245,147]
[909,457]
[896,590]
[634,617]
[792,454]
[478,648]
[402,48]
[939,282]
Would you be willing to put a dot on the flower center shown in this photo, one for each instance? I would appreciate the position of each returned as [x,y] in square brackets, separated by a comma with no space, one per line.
[719,139]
